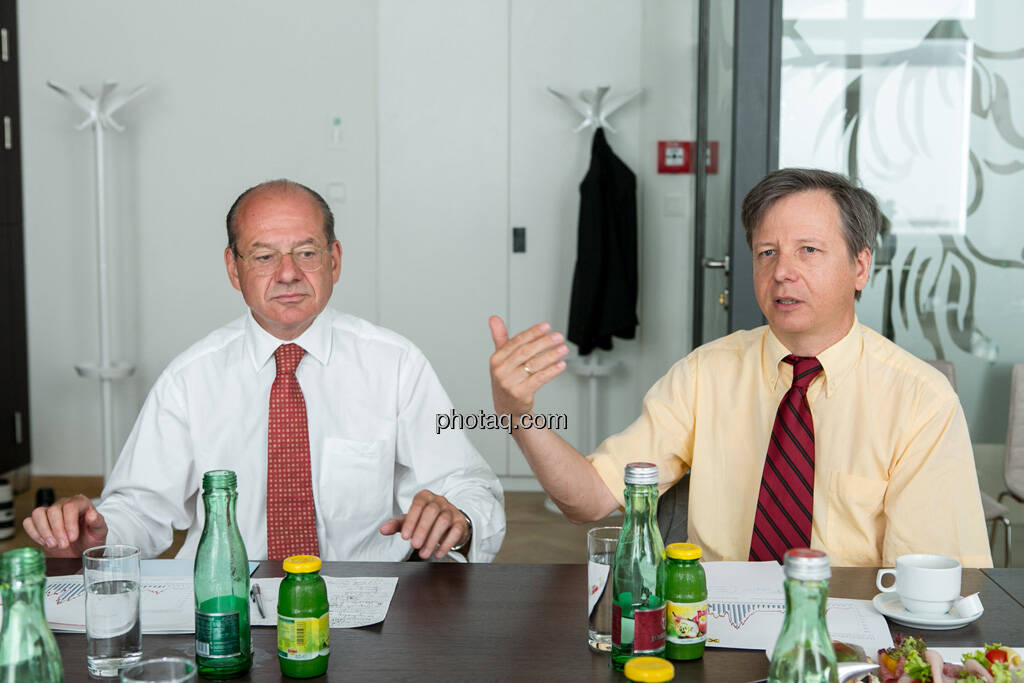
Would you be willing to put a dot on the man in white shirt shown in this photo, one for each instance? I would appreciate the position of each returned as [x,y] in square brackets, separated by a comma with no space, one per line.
[370,401]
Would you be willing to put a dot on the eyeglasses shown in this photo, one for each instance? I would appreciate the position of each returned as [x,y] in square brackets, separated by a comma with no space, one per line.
[309,258]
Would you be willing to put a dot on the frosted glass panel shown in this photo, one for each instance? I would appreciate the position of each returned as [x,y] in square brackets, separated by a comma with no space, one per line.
[925,107]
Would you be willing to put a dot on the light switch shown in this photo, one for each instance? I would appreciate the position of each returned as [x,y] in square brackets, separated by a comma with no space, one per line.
[518,240]
[334,133]
[337,192]
[674,206]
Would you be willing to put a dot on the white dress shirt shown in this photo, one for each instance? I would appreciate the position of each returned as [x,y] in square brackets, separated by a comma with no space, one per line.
[371,400]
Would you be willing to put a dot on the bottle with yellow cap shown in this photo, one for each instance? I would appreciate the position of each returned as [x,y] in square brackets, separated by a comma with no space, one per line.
[684,587]
[649,670]
[303,630]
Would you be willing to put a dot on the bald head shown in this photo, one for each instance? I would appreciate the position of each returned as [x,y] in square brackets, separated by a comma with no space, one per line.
[280,188]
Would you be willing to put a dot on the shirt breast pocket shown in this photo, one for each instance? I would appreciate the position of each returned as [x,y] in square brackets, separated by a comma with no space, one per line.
[856,525]
[355,481]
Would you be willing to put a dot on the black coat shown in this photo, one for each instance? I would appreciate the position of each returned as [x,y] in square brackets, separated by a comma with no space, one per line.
[604,285]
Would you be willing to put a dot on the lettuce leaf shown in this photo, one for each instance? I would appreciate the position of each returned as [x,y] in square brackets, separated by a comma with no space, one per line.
[917,668]
[904,645]
[977,655]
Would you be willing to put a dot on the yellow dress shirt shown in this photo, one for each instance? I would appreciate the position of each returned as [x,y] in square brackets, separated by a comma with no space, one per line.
[894,468]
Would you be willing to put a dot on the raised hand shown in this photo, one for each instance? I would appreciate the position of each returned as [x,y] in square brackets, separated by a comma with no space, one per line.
[522,365]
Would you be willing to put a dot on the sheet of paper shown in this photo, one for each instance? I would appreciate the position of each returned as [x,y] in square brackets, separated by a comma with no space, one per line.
[354,601]
[165,603]
[746,581]
[755,624]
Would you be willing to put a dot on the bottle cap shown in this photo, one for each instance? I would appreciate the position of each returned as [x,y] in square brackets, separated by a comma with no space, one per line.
[684,551]
[301,564]
[651,669]
[219,479]
[21,562]
[804,564]
[641,473]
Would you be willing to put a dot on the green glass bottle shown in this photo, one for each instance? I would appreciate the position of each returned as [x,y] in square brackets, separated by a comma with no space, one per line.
[638,612]
[223,644]
[803,653]
[303,628]
[28,651]
[684,588]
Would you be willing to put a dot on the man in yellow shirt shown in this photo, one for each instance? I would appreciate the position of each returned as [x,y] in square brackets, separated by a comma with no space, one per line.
[866,456]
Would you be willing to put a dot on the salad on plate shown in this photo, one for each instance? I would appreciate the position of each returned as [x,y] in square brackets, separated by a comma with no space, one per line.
[911,661]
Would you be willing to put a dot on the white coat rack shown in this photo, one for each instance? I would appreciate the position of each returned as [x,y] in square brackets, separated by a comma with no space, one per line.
[595,109]
[99,112]
[591,105]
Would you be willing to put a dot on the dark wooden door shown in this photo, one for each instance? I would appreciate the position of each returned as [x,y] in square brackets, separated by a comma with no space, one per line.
[14,441]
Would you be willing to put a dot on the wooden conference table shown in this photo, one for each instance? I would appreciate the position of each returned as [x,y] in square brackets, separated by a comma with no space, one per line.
[526,622]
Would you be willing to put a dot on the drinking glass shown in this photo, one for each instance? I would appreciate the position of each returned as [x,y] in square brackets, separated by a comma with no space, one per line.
[601,543]
[162,670]
[113,635]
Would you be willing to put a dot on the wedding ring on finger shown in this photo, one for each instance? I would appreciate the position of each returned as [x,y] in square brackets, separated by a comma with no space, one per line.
[527,368]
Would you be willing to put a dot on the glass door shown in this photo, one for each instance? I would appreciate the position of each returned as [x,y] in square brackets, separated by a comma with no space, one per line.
[713,259]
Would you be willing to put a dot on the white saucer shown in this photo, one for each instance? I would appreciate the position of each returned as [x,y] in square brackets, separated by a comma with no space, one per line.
[890,606]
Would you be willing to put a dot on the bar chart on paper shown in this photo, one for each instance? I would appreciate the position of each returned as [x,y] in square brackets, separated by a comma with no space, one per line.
[746,607]
[755,625]
[166,604]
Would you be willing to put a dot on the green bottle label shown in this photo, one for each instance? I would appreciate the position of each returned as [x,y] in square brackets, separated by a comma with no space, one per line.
[303,638]
[686,623]
[217,634]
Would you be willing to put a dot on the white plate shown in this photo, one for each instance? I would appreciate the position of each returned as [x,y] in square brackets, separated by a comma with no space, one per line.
[890,606]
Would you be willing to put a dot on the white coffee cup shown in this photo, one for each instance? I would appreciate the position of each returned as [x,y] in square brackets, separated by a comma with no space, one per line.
[926,584]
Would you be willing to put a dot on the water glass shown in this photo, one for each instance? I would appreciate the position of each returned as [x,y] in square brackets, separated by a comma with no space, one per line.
[601,544]
[113,634]
[162,670]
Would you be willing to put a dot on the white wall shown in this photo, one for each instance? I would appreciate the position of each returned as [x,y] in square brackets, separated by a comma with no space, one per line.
[238,92]
[444,189]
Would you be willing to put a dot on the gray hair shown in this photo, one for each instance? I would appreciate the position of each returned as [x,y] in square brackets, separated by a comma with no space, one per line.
[279,185]
[861,218]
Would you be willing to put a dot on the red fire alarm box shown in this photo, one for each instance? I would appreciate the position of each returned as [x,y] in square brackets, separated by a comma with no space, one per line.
[676,156]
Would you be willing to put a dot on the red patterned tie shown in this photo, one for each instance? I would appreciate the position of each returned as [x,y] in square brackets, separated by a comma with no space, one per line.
[291,517]
[786,499]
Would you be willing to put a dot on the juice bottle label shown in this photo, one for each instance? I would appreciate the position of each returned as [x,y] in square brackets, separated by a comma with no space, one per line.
[217,634]
[304,638]
[649,630]
[686,623]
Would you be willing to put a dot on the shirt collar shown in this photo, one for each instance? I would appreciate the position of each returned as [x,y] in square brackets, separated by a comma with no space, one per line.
[316,340]
[836,361]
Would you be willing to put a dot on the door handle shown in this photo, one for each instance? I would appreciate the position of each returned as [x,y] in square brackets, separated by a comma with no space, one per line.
[722,263]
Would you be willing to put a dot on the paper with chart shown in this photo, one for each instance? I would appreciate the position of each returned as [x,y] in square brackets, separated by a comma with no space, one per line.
[165,604]
[354,600]
[165,598]
[746,605]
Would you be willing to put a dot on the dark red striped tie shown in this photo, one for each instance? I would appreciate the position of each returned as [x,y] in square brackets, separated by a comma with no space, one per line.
[786,499]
